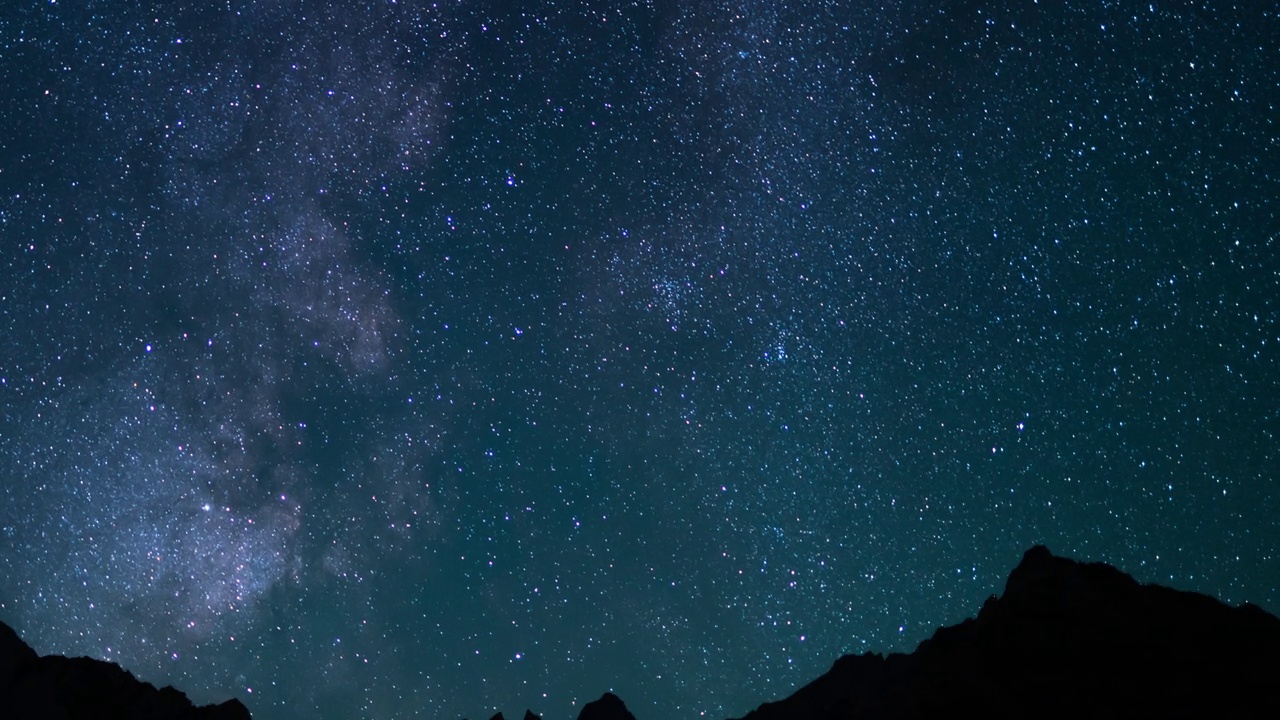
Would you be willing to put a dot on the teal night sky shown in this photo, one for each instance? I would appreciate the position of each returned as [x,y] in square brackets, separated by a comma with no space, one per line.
[409,359]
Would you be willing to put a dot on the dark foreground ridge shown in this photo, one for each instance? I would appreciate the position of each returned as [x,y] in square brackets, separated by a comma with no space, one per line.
[53,686]
[1066,640]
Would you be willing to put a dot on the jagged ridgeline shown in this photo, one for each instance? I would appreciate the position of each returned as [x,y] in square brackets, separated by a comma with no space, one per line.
[1065,640]
[43,688]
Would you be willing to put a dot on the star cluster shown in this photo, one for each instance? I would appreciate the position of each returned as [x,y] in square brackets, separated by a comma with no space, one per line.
[409,359]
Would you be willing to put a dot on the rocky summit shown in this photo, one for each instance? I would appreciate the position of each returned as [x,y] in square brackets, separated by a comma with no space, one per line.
[39,688]
[1065,640]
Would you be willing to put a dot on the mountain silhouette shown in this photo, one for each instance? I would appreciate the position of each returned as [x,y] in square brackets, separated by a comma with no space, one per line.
[41,688]
[608,707]
[1066,639]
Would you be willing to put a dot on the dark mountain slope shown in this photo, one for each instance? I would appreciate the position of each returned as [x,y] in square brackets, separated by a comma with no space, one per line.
[53,686]
[1066,639]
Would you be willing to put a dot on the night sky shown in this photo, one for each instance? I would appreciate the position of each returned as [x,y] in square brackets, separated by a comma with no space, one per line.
[409,359]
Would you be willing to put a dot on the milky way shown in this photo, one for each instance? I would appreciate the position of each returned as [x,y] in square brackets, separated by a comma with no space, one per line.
[400,358]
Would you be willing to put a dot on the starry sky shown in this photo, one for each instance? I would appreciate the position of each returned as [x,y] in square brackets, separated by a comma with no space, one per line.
[428,359]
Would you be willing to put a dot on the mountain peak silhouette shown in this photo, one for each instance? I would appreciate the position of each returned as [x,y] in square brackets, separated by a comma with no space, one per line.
[53,686]
[1066,639]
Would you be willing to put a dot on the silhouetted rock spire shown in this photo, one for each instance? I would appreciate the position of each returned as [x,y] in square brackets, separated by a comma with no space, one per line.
[608,707]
